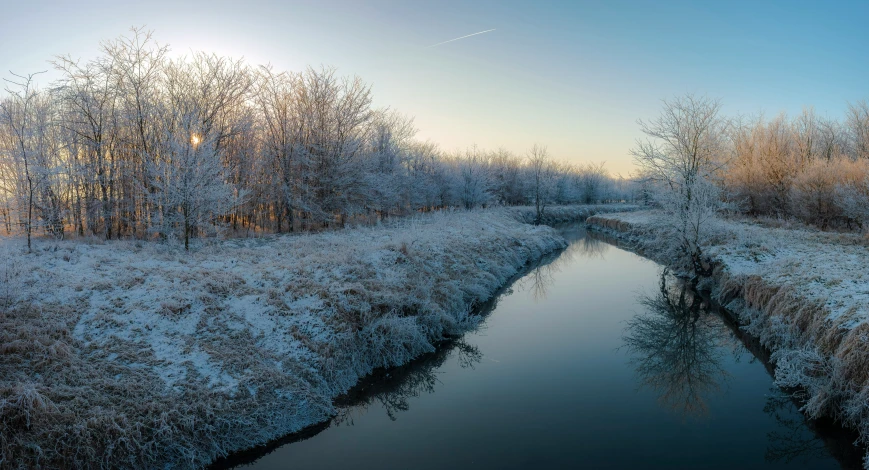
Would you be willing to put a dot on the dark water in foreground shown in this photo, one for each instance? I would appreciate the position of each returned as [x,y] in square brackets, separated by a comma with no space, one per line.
[587,361]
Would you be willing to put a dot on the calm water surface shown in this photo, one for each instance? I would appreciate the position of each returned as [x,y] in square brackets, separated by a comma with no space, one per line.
[587,361]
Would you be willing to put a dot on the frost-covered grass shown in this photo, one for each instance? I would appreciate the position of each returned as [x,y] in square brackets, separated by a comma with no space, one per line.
[804,293]
[130,354]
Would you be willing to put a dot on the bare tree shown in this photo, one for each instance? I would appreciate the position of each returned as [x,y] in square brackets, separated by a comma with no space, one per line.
[858,128]
[191,174]
[282,136]
[16,114]
[89,100]
[831,139]
[805,129]
[593,178]
[387,157]
[684,149]
[474,179]
[541,172]
[509,180]
[137,70]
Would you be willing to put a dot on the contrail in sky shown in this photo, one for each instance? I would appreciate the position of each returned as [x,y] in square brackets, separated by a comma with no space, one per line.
[463,37]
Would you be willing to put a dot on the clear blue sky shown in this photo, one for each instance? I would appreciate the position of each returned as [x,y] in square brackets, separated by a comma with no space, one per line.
[574,75]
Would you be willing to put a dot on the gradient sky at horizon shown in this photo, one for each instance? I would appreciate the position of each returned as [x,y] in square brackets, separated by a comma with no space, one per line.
[573,75]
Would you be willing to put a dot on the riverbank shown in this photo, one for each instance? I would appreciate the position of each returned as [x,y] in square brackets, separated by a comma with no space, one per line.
[131,354]
[804,293]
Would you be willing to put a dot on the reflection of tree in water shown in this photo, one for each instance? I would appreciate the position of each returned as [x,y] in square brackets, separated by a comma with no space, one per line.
[791,440]
[393,388]
[541,277]
[677,347]
[580,245]
[589,247]
[802,440]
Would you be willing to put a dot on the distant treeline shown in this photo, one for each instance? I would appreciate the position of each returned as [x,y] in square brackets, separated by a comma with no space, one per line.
[135,144]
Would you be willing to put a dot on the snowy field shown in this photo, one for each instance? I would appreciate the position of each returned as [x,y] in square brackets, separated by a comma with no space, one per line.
[135,354]
[804,293]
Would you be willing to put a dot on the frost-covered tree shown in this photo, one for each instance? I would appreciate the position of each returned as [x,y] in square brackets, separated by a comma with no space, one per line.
[425,173]
[474,179]
[191,184]
[509,178]
[684,148]
[542,180]
[23,135]
[48,166]
[137,63]
[335,113]
[387,158]
[115,145]
[858,128]
[89,105]
[593,180]
[282,139]
[191,178]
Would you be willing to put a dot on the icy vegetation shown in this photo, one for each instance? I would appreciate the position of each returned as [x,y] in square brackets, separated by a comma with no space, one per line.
[133,354]
[138,144]
[802,292]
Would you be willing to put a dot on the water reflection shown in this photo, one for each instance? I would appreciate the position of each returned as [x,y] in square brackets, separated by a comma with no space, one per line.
[677,347]
[581,245]
[394,388]
[558,395]
[798,439]
[790,442]
[541,277]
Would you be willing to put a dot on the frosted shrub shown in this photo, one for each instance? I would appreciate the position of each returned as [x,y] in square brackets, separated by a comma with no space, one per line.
[21,403]
[831,193]
[10,279]
[813,196]
[807,369]
[392,340]
[806,167]
[690,218]
[852,192]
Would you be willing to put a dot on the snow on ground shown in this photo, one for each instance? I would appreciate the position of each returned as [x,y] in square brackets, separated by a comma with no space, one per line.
[827,267]
[140,354]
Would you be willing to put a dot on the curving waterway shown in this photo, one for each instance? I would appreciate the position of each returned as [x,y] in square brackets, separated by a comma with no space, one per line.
[595,358]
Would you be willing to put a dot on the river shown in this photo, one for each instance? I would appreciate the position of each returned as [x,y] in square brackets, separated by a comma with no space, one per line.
[595,358]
